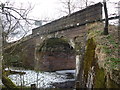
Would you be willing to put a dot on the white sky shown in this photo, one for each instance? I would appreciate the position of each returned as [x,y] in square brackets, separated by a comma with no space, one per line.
[48,8]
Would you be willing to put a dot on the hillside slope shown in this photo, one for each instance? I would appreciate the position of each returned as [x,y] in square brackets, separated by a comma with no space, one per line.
[101,60]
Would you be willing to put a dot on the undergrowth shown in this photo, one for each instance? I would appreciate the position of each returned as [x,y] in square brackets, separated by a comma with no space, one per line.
[107,43]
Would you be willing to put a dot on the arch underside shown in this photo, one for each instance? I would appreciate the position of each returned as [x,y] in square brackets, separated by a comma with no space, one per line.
[55,54]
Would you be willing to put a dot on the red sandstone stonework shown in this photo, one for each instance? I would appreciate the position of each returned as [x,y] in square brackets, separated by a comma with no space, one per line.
[56,61]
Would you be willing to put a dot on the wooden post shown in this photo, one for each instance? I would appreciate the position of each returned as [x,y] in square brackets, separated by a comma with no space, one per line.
[106,18]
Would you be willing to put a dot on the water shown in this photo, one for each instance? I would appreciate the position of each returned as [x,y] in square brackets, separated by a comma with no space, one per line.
[41,79]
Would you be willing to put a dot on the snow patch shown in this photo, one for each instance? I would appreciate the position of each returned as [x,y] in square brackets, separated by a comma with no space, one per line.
[41,79]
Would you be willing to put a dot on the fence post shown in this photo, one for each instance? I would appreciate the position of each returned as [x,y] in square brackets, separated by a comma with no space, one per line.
[119,30]
[106,18]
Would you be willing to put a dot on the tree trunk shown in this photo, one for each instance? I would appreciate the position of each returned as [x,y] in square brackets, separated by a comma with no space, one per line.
[119,30]
[0,50]
[8,83]
[106,19]
[5,80]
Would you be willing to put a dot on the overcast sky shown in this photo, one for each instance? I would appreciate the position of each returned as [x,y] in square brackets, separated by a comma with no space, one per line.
[50,8]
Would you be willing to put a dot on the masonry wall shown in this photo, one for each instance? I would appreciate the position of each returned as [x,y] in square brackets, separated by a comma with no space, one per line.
[91,13]
[21,55]
[57,28]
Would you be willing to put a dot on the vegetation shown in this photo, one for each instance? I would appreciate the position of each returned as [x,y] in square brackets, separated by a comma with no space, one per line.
[102,54]
[7,82]
[89,58]
[12,60]
[99,79]
[55,45]
[108,44]
[12,19]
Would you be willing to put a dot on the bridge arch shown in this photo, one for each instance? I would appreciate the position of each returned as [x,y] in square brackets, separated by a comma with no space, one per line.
[55,54]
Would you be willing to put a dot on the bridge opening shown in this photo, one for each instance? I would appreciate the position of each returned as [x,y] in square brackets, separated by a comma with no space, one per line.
[55,54]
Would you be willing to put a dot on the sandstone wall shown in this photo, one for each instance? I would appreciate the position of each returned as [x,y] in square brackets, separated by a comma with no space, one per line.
[21,54]
[90,13]
[67,27]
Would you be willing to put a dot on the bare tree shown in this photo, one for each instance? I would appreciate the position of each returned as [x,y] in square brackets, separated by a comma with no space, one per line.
[119,30]
[70,6]
[11,20]
[106,18]
[0,50]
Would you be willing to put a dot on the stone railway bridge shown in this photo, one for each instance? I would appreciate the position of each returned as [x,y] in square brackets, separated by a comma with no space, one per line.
[56,45]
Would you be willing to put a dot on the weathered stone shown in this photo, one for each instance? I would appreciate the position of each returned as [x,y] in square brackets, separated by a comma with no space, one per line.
[68,27]
[8,83]
[55,54]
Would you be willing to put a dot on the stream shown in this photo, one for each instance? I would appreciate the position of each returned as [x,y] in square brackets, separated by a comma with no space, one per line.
[58,79]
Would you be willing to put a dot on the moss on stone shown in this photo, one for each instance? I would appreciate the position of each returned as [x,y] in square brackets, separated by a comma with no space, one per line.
[99,81]
[13,59]
[78,47]
[8,83]
[89,56]
[55,45]
[108,47]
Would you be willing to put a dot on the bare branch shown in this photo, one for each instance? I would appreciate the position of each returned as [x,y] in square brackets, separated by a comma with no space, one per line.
[14,19]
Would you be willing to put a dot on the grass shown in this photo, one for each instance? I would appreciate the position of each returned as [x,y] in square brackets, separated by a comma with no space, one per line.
[108,44]
[113,62]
